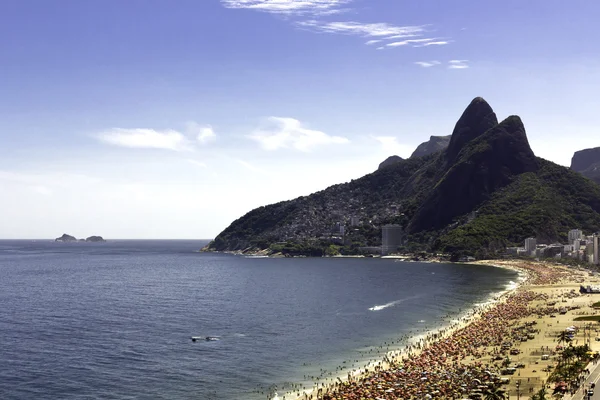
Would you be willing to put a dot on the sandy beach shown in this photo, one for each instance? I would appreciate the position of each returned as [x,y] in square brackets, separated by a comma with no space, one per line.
[508,346]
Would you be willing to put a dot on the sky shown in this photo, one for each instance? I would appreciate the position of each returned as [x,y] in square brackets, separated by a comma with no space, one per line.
[172,118]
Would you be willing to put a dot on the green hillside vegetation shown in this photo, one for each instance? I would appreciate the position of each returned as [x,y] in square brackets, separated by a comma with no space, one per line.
[545,204]
[484,192]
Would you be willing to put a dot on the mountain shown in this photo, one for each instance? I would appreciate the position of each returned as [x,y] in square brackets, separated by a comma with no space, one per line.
[485,191]
[587,162]
[390,161]
[433,145]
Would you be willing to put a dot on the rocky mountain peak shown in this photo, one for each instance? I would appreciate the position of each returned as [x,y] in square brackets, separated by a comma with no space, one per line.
[583,159]
[390,161]
[484,165]
[433,145]
[477,118]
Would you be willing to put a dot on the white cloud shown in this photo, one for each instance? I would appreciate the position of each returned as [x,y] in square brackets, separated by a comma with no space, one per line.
[146,139]
[197,163]
[290,7]
[289,133]
[168,139]
[427,64]
[296,8]
[410,41]
[363,29]
[458,64]
[438,43]
[41,189]
[391,146]
[203,133]
[251,167]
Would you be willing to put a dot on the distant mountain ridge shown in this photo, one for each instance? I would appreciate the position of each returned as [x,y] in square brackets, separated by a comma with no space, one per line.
[587,163]
[433,145]
[390,161]
[485,191]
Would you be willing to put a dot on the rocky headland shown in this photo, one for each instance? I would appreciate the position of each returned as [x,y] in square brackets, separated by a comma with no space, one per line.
[483,192]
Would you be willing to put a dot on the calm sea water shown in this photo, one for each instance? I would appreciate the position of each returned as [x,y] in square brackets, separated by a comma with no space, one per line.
[114,320]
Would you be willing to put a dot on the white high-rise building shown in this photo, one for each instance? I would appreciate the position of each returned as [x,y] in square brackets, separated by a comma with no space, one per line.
[392,236]
[575,234]
[596,247]
[576,244]
[530,245]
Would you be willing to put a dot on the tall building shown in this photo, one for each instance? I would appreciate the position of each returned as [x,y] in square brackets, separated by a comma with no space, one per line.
[590,250]
[392,236]
[530,245]
[596,247]
[576,244]
[575,234]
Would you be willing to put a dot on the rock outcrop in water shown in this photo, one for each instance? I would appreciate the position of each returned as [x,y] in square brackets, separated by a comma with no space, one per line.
[485,191]
[66,238]
[95,239]
[69,238]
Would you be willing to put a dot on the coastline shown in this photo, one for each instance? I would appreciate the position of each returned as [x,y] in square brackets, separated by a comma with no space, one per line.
[536,280]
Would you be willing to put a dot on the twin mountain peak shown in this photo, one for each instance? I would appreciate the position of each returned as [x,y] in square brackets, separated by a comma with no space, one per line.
[474,192]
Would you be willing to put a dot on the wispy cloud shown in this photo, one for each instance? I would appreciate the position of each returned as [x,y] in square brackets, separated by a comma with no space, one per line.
[427,64]
[203,133]
[289,133]
[410,41]
[438,43]
[290,7]
[298,10]
[458,64]
[169,139]
[197,163]
[390,145]
[251,167]
[363,29]
[146,139]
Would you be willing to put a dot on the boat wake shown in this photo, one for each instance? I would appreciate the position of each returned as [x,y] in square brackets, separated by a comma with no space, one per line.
[384,306]
[391,304]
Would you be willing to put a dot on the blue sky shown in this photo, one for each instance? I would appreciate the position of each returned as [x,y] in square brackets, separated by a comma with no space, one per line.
[170,119]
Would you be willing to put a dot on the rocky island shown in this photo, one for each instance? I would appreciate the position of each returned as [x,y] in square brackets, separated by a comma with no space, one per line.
[484,191]
[69,238]
[66,238]
[95,239]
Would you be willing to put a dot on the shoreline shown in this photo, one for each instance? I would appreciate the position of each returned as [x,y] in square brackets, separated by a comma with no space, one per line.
[533,276]
[415,339]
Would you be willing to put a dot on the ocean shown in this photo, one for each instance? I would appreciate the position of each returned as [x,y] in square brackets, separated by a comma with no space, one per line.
[114,320]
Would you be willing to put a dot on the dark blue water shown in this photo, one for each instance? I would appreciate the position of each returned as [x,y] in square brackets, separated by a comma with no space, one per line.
[114,320]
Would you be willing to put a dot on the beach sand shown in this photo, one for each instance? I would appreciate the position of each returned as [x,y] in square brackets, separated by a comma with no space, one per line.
[450,362]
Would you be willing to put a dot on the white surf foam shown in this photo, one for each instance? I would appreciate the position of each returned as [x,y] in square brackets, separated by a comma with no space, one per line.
[391,304]
[384,306]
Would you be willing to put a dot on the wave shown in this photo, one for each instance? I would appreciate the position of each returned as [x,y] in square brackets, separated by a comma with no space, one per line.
[391,304]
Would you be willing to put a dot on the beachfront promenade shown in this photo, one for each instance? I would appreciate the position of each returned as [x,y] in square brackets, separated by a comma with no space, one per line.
[509,347]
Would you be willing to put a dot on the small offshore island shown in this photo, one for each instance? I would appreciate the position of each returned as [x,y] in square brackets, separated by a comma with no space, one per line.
[472,195]
[69,238]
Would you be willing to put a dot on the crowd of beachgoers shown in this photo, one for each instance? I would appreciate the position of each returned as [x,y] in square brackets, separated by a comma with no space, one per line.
[445,364]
